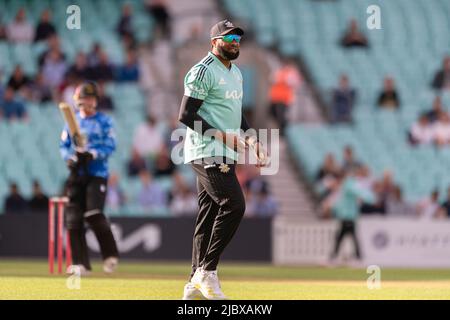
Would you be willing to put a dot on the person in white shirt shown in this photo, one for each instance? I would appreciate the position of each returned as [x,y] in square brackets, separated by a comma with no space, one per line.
[421,131]
[19,30]
[428,207]
[148,139]
[441,130]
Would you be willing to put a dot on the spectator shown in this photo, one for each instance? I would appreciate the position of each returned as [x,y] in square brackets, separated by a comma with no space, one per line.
[2,88]
[437,108]
[39,91]
[54,69]
[388,97]
[364,177]
[441,130]
[343,101]
[255,182]
[442,77]
[378,206]
[444,210]
[14,202]
[18,79]
[54,45]
[282,93]
[183,199]
[104,102]
[264,204]
[20,30]
[184,203]
[130,70]
[103,70]
[160,14]
[45,28]
[115,197]
[387,185]
[350,162]
[129,42]
[397,206]
[39,201]
[354,37]
[163,164]
[80,67]
[93,57]
[136,164]
[428,208]
[326,175]
[148,139]
[329,168]
[124,27]
[151,196]
[3,33]
[11,108]
[421,132]
[174,124]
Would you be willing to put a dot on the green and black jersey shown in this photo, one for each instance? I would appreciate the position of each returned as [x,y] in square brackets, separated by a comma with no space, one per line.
[221,90]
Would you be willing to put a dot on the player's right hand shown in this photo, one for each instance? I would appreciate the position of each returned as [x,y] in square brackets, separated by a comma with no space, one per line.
[232,140]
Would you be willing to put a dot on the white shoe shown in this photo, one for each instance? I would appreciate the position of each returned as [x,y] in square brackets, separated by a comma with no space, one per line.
[208,284]
[77,270]
[192,293]
[110,264]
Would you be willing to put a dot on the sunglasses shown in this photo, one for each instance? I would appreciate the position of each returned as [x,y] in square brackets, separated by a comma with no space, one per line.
[229,38]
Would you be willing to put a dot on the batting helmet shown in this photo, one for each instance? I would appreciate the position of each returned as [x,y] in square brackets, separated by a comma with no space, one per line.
[86,89]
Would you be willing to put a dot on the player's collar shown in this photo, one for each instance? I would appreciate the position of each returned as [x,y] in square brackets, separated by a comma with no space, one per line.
[220,62]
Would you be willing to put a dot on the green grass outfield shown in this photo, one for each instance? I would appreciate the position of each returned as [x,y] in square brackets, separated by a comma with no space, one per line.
[159,280]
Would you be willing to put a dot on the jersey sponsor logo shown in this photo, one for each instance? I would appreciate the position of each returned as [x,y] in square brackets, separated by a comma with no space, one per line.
[234,94]
[222,81]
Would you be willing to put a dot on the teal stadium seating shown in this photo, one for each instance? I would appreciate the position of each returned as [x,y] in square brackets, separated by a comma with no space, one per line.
[410,47]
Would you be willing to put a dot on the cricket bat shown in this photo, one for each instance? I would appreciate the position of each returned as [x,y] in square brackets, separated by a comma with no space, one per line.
[74,129]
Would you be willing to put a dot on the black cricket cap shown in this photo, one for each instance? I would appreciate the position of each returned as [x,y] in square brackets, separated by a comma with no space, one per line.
[225,27]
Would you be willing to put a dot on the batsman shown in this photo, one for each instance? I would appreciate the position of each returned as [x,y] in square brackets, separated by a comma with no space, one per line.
[87,141]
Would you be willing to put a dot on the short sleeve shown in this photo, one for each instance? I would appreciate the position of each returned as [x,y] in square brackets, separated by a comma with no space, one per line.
[197,82]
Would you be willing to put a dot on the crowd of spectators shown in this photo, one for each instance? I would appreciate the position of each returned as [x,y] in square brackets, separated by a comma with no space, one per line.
[432,126]
[15,203]
[149,162]
[57,77]
[388,196]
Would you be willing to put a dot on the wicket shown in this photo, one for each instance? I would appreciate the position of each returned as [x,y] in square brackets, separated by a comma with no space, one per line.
[58,203]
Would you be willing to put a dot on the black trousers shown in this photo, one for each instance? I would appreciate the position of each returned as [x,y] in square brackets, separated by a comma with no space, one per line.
[347,227]
[87,197]
[221,208]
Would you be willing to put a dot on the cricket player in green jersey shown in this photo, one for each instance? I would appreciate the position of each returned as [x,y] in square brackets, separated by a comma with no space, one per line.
[211,109]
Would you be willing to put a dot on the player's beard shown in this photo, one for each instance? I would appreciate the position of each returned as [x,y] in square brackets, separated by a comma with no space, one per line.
[227,54]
